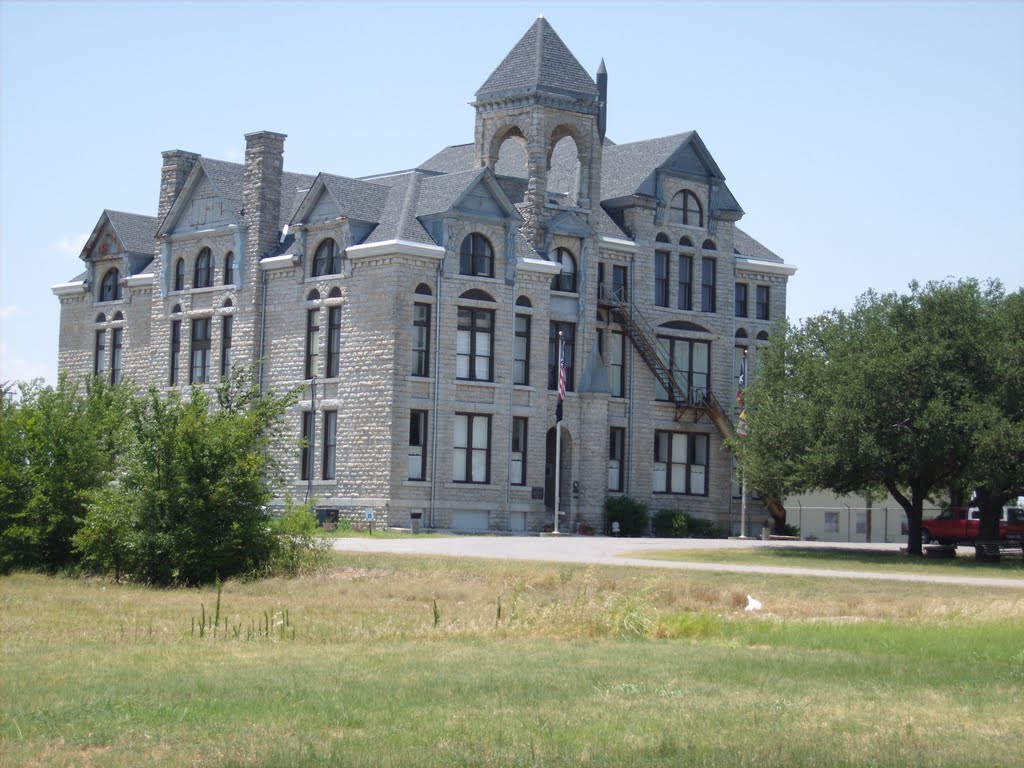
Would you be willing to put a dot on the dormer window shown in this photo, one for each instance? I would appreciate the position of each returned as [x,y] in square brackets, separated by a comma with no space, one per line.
[566,279]
[327,258]
[110,286]
[476,257]
[685,209]
[203,277]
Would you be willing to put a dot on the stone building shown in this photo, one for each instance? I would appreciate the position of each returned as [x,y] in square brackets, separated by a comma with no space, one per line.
[420,310]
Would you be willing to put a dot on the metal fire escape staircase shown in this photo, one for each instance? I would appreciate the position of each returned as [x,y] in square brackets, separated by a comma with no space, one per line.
[696,400]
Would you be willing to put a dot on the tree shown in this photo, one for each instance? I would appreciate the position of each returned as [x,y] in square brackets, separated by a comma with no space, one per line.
[57,446]
[874,397]
[191,501]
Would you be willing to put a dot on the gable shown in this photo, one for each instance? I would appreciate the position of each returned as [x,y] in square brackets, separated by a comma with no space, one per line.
[204,208]
[685,160]
[104,243]
[568,223]
[326,209]
[479,201]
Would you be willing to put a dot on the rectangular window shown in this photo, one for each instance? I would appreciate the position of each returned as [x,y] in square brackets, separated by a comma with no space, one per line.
[762,302]
[471,450]
[568,331]
[225,346]
[333,342]
[312,343]
[521,350]
[616,346]
[517,465]
[661,278]
[680,463]
[474,360]
[307,444]
[707,285]
[685,298]
[862,523]
[417,445]
[741,299]
[175,351]
[330,443]
[200,370]
[616,458]
[100,359]
[116,337]
[690,363]
[831,522]
[620,278]
[420,339]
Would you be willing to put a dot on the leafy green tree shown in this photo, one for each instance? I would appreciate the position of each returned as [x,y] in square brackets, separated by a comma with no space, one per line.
[58,445]
[873,397]
[191,501]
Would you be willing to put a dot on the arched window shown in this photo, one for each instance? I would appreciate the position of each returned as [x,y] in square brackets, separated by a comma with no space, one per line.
[117,316]
[685,242]
[101,318]
[709,245]
[524,301]
[424,290]
[203,277]
[476,257]
[676,209]
[229,268]
[693,216]
[327,259]
[228,303]
[110,287]
[762,335]
[179,275]
[313,295]
[566,279]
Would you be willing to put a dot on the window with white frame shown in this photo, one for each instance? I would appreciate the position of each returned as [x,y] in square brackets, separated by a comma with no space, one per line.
[420,339]
[417,445]
[517,463]
[474,344]
[521,350]
[327,258]
[330,452]
[616,458]
[690,363]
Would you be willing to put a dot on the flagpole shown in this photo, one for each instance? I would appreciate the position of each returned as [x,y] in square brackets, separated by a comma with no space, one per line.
[558,441]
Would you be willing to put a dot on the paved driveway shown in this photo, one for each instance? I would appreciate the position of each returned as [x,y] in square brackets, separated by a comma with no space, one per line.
[613,551]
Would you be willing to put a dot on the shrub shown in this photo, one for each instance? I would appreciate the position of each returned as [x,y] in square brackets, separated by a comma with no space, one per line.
[630,514]
[298,548]
[675,524]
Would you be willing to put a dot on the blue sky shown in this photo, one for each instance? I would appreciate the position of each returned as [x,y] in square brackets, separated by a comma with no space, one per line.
[870,143]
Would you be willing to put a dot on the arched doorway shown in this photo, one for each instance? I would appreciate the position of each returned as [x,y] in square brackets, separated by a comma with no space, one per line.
[565,472]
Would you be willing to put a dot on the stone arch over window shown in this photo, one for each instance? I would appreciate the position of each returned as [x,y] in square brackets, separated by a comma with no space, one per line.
[424,290]
[335,293]
[685,242]
[203,276]
[110,286]
[762,335]
[684,325]
[117,316]
[476,256]
[176,310]
[475,294]
[662,238]
[228,303]
[313,295]
[327,258]
[524,301]
[101,318]
[565,163]
[229,268]
[508,152]
[741,333]
[566,279]
[709,245]
[179,274]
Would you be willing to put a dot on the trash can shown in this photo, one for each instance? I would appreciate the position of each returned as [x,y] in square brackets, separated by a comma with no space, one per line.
[414,519]
[766,531]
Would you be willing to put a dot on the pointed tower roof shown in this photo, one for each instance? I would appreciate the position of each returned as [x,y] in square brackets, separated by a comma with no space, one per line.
[539,62]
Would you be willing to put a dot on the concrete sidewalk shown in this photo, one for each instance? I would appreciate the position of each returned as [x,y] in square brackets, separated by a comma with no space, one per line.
[602,550]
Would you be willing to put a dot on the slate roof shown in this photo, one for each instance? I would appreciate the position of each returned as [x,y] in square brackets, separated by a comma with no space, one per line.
[745,245]
[293,189]
[451,159]
[135,231]
[226,179]
[397,219]
[539,62]
[625,167]
[358,199]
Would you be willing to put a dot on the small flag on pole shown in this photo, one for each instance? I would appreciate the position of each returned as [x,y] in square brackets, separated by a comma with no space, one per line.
[741,425]
[561,379]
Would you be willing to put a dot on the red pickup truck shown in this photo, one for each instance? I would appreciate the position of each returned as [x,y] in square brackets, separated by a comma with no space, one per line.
[959,525]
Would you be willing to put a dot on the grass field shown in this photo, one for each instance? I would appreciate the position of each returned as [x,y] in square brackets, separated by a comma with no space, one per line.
[964,564]
[406,661]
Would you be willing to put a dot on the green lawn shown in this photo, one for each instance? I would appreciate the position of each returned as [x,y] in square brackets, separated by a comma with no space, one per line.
[411,661]
[846,559]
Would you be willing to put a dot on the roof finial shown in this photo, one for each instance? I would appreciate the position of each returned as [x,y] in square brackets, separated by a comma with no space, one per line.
[541,16]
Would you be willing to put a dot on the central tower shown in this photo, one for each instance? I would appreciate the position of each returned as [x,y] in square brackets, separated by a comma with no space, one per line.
[538,96]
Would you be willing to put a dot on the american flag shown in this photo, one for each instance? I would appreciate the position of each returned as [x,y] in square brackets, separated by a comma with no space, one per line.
[561,380]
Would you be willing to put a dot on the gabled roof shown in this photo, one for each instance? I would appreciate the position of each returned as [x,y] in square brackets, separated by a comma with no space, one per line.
[625,167]
[356,199]
[451,159]
[442,193]
[398,214]
[745,245]
[539,62]
[135,232]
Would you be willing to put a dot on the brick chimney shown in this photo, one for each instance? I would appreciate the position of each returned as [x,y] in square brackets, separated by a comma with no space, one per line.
[176,168]
[261,190]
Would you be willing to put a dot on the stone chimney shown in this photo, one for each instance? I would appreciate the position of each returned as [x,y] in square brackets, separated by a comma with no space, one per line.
[177,166]
[602,95]
[261,190]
